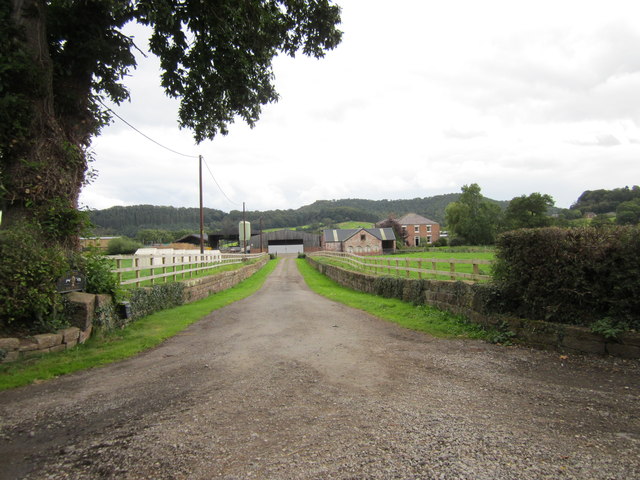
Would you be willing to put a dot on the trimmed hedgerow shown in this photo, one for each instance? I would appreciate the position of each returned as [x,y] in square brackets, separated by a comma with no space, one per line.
[575,276]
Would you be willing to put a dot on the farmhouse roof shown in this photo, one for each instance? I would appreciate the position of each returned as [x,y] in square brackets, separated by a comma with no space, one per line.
[415,219]
[340,235]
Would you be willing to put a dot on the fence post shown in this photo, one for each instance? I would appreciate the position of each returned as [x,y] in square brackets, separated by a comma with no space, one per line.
[407,262]
[452,269]
[434,267]
[420,268]
[136,264]
[476,270]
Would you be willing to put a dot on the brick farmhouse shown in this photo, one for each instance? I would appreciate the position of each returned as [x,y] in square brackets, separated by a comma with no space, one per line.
[419,229]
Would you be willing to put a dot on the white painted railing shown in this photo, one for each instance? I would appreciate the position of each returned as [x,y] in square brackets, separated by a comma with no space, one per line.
[135,269]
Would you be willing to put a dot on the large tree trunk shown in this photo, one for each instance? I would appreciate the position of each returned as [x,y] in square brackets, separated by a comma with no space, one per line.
[49,170]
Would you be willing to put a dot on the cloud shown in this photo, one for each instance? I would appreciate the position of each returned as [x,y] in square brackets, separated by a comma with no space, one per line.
[463,134]
[606,140]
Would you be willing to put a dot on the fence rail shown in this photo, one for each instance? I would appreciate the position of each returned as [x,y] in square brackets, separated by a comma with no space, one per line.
[136,269]
[410,266]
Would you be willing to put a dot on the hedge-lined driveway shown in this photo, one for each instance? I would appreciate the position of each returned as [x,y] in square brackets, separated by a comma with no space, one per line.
[289,385]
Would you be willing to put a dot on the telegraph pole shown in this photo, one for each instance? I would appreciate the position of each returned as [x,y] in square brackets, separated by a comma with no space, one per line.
[201,212]
[244,231]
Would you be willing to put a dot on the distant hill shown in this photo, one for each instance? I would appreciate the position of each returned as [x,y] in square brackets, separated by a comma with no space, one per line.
[605,201]
[128,220]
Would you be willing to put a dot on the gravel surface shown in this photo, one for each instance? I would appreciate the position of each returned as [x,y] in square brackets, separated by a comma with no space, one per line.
[289,385]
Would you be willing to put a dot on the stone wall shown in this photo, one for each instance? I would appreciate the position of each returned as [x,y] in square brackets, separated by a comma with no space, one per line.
[198,288]
[465,299]
[86,306]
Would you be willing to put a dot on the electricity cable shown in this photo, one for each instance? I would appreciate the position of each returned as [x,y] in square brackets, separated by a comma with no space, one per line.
[169,149]
[217,184]
[144,135]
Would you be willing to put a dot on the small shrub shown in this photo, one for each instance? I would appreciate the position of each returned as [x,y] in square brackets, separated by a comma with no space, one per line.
[609,328]
[99,275]
[29,271]
[441,242]
[457,242]
[302,255]
[123,246]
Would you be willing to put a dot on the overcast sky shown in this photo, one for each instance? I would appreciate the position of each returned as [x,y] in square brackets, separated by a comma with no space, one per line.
[421,98]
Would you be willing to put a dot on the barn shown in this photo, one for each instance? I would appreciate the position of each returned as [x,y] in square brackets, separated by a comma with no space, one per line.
[285,241]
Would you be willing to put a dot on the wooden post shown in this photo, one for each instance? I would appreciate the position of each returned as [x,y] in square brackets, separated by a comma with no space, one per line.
[452,269]
[407,262]
[136,264]
[420,268]
[476,270]
[434,267]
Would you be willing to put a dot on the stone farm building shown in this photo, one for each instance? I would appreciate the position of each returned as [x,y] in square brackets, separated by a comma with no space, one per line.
[360,241]
[419,229]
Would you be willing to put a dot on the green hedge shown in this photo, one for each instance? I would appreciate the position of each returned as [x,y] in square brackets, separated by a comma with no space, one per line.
[575,276]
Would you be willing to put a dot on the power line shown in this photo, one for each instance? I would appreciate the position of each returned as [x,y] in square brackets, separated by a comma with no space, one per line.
[218,185]
[169,149]
[144,135]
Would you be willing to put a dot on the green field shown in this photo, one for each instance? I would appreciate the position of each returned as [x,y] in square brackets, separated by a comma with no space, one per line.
[384,263]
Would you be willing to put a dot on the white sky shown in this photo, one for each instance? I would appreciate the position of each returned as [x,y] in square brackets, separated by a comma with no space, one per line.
[421,98]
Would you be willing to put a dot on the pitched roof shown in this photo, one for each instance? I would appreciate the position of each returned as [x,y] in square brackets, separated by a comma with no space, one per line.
[415,219]
[340,235]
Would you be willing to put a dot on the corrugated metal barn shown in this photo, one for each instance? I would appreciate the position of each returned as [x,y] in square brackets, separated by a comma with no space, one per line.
[285,241]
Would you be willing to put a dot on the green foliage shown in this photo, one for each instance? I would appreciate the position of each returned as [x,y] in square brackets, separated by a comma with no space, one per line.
[473,217]
[609,328]
[29,271]
[605,201]
[628,213]
[145,301]
[99,275]
[528,212]
[574,276]
[122,246]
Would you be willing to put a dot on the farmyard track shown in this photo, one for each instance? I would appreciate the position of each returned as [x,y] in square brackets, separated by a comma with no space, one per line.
[289,385]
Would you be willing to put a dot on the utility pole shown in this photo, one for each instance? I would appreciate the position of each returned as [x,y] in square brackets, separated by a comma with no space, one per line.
[244,231]
[260,234]
[201,212]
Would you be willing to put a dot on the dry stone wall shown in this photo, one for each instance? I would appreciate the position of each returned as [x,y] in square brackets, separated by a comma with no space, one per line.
[466,300]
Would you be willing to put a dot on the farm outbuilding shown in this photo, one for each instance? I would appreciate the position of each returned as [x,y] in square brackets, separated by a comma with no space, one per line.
[361,241]
[285,241]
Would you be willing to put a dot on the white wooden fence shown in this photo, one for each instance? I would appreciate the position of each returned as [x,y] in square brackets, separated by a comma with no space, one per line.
[427,267]
[135,269]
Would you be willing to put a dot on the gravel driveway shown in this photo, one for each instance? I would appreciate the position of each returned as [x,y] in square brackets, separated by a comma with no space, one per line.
[289,385]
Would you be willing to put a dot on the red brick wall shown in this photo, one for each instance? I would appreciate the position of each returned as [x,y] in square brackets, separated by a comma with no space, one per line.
[422,233]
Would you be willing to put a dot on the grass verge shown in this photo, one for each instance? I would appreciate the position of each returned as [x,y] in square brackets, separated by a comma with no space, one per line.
[422,318]
[141,335]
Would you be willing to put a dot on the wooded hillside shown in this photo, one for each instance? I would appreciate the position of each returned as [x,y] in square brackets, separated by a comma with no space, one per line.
[128,220]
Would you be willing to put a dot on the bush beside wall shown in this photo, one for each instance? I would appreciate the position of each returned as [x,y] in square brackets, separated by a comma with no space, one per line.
[570,276]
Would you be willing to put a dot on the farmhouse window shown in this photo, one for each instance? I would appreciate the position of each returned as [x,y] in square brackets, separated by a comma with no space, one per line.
[416,228]
[362,237]
[429,228]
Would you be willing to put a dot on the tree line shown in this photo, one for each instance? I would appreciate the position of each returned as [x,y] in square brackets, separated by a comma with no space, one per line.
[476,220]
